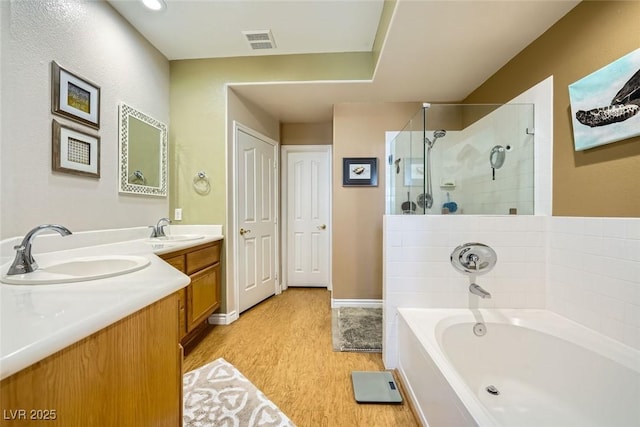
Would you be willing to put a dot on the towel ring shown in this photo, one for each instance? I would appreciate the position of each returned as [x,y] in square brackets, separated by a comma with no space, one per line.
[138,178]
[201,183]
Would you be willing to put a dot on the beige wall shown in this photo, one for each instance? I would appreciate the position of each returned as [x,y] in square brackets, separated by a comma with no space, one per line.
[598,182]
[306,133]
[359,131]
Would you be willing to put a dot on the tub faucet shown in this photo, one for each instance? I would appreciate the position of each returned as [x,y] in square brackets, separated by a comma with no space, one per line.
[158,230]
[477,290]
[24,262]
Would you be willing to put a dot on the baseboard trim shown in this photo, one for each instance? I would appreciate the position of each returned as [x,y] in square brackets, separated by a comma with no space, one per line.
[365,303]
[223,318]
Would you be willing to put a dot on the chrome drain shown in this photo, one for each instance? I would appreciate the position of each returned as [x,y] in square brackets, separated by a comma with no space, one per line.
[479,329]
[492,390]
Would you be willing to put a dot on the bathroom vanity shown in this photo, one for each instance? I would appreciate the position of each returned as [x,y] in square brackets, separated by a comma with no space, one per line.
[129,373]
[201,297]
[108,351]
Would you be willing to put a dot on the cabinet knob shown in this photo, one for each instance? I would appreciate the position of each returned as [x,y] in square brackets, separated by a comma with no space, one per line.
[243,231]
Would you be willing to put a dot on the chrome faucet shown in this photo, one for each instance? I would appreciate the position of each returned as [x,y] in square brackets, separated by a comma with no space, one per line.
[24,262]
[477,290]
[158,230]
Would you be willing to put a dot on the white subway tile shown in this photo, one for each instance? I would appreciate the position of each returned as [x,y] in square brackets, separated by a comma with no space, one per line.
[633,229]
[615,227]
[614,248]
[393,239]
[632,250]
[593,227]
[393,253]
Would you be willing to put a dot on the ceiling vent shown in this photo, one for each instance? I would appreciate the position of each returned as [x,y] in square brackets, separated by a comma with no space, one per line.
[260,39]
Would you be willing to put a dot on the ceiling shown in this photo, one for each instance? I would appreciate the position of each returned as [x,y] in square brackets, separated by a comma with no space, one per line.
[434,51]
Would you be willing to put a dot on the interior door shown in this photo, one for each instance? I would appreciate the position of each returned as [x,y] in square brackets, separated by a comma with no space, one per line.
[257,219]
[308,210]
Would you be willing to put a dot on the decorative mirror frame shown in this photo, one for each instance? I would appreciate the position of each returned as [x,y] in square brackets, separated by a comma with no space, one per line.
[127,111]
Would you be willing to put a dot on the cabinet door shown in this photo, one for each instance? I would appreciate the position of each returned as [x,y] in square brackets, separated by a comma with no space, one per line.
[202,295]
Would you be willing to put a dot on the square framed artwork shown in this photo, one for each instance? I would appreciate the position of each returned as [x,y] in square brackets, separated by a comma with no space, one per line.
[75,152]
[414,173]
[360,171]
[74,97]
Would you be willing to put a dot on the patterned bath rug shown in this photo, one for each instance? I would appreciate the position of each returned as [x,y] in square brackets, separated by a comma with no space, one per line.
[218,395]
[357,329]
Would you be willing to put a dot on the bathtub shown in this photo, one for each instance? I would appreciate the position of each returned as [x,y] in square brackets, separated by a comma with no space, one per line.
[548,370]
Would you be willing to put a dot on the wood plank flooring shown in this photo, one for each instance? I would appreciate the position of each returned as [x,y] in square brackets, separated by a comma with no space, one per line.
[283,346]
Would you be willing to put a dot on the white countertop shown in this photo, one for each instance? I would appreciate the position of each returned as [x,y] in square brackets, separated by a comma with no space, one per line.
[39,320]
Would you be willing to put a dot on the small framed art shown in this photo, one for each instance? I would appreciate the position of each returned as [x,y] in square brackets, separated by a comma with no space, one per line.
[75,152]
[360,171]
[74,97]
[414,173]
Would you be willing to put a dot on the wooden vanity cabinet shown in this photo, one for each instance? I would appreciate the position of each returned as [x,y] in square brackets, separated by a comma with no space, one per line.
[127,374]
[202,296]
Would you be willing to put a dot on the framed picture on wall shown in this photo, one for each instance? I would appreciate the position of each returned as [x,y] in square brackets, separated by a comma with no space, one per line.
[75,152]
[414,173]
[74,97]
[360,171]
[605,105]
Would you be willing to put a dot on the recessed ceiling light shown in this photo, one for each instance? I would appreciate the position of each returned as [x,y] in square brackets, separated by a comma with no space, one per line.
[154,4]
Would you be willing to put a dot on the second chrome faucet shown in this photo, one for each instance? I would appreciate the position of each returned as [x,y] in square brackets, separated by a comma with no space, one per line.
[158,230]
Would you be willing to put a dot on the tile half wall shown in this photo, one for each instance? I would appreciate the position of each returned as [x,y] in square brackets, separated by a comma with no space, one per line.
[587,269]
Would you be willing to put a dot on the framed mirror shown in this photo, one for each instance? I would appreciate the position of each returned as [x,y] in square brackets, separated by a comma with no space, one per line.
[143,153]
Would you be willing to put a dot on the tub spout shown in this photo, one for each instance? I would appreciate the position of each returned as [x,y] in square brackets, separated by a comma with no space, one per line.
[477,290]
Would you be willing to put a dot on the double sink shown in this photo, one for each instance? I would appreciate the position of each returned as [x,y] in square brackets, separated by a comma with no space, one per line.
[79,269]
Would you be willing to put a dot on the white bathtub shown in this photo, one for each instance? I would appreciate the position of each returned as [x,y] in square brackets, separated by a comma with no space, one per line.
[549,370]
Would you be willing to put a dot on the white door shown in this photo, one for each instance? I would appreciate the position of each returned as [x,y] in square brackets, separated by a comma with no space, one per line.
[308,213]
[257,219]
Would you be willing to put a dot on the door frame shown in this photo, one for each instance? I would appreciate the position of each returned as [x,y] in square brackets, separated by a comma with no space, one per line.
[284,152]
[231,235]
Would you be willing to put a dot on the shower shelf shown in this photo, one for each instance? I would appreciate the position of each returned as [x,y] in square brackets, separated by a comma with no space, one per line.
[448,184]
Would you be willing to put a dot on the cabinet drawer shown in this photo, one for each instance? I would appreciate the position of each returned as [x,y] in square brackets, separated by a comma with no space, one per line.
[176,262]
[202,258]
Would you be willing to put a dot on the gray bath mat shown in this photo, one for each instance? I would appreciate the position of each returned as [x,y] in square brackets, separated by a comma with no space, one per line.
[357,329]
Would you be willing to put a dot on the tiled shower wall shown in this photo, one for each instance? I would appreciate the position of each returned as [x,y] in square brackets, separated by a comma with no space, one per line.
[587,269]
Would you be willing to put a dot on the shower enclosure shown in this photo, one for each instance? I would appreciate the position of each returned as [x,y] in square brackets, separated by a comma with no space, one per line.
[463,159]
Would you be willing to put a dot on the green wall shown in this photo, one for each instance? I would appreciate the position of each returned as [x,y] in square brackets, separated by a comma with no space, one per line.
[198,116]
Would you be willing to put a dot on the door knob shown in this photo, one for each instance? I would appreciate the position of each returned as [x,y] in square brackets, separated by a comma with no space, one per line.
[243,231]
[322,227]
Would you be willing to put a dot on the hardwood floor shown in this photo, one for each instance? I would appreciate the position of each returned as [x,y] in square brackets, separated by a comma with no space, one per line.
[283,346]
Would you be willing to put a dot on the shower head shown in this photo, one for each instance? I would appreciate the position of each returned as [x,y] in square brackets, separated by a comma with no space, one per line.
[436,134]
[439,133]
